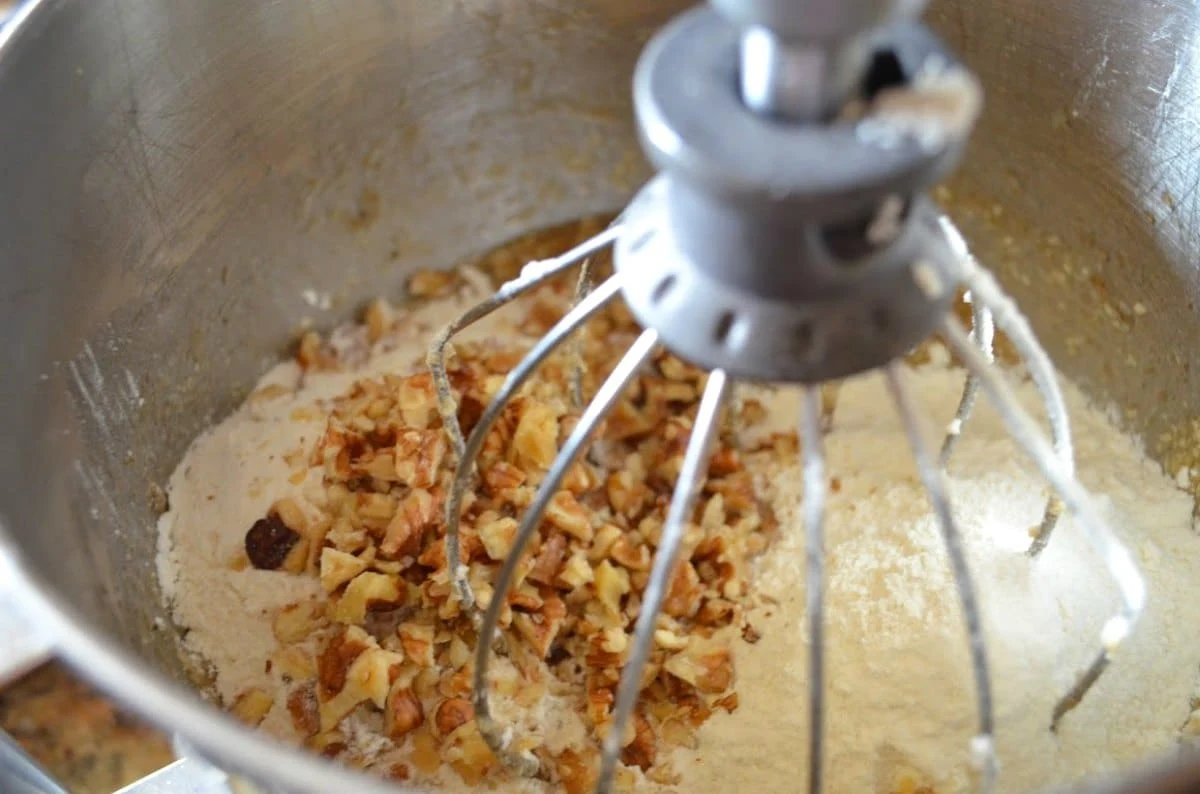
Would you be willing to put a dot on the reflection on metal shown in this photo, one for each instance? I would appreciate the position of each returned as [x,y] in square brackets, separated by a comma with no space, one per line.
[20,774]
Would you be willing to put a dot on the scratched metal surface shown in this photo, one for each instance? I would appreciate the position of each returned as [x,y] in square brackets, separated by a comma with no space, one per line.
[177,174]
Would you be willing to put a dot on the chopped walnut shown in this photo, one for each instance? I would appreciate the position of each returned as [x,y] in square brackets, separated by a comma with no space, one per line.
[612,584]
[388,641]
[417,512]
[710,672]
[417,641]
[432,283]
[338,567]
[642,750]
[302,706]
[252,706]
[549,560]
[451,714]
[566,513]
[540,630]
[403,714]
[535,441]
[418,457]
[498,536]
[366,591]
[296,622]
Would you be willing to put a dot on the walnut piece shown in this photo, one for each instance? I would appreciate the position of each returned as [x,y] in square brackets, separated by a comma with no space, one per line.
[252,706]
[387,640]
[404,713]
[451,714]
[338,567]
[366,591]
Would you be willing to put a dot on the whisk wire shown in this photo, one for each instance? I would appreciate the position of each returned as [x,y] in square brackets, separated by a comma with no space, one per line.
[987,292]
[533,274]
[545,346]
[691,476]
[599,408]
[1111,549]
[583,288]
[935,485]
[815,494]
[983,334]
[988,297]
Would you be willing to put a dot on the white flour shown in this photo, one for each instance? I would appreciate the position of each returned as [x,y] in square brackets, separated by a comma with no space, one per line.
[900,701]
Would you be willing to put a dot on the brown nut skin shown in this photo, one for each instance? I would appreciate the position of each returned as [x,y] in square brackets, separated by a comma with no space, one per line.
[404,713]
[269,542]
[452,714]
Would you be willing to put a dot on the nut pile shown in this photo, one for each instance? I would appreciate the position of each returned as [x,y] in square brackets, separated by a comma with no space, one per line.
[389,644]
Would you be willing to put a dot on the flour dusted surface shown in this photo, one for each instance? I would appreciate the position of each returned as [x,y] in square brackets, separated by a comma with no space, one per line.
[900,701]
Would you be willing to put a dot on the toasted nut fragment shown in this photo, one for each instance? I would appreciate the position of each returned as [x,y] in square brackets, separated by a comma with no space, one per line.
[417,641]
[686,592]
[368,678]
[669,640]
[470,757]
[612,584]
[525,598]
[425,756]
[710,672]
[417,512]
[419,455]
[577,572]
[541,630]
[252,706]
[606,536]
[642,751]
[680,733]
[272,545]
[502,476]
[460,653]
[341,651]
[725,460]
[614,640]
[431,283]
[338,567]
[302,706]
[378,317]
[498,536]
[329,744]
[417,400]
[627,496]
[451,714]
[549,560]
[716,612]
[404,713]
[372,674]
[312,354]
[366,591]
[599,703]
[297,622]
[293,663]
[535,441]
[634,556]
[713,517]
[568,515]
[577,773]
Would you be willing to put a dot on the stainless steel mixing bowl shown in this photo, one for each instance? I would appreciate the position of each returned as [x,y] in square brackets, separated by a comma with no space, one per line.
[176,174]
